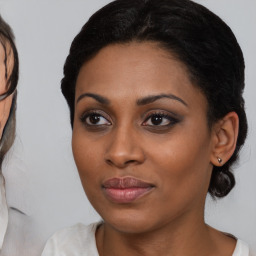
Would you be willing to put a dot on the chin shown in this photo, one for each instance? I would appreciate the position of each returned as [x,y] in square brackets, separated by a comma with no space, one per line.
[130,221]
[130,226]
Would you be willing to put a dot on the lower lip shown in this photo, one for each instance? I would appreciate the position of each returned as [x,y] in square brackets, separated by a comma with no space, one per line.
[126,195]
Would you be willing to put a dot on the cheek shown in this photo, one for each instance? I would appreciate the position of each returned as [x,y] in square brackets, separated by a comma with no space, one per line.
[5,107]
[182,163]
[2,78]
[87,157]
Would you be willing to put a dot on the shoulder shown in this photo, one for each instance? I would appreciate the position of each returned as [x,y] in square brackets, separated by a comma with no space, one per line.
[76,240]
[242,249]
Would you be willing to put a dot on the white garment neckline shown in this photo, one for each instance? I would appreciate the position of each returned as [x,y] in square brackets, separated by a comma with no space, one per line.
[80,239]
[241,249]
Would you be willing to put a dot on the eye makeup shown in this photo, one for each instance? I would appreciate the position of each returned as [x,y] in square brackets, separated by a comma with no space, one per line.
[95,119]
[154,120]
[160,120]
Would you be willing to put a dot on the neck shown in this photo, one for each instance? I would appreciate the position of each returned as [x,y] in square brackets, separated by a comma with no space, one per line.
[186,236]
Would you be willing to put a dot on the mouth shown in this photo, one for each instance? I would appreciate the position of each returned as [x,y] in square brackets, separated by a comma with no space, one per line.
[125,190]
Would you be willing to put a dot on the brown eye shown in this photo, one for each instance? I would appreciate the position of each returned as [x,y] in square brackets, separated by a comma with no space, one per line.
[94,119]
[159,120]
[156,119]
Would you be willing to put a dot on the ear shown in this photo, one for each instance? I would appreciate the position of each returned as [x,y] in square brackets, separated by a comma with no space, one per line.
[225,133]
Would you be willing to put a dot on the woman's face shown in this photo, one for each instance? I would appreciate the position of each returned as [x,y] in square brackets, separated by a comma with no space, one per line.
[5,70]
[141,141]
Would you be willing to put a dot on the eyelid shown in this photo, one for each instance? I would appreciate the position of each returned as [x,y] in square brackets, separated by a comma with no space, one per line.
[160,112]
[172,117]
[87,113]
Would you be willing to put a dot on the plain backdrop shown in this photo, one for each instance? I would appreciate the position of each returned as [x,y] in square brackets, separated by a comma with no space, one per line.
[41,176]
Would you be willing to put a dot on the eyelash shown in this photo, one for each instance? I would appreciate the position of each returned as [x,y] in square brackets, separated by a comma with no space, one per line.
[171,120]
[91,114]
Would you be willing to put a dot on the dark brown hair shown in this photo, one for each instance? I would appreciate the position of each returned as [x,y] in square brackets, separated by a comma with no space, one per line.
[196,36]
[7,39]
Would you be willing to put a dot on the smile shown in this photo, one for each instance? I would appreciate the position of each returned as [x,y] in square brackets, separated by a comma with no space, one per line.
[125,190]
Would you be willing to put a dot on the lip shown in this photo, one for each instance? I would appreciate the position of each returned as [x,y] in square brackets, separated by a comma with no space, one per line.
[125,190]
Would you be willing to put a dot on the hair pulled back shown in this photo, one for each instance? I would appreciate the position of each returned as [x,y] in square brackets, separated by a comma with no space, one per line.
[190,32]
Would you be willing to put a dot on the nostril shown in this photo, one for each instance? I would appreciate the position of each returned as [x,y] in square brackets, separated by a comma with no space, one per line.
[124,154]
[130,161]
[109,162]
[120,163]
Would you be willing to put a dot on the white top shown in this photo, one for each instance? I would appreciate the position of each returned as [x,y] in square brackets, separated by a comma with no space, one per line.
[3,212]
[79,240]
[18,237]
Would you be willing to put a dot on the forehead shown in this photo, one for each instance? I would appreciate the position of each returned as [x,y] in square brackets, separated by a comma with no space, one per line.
[134,70]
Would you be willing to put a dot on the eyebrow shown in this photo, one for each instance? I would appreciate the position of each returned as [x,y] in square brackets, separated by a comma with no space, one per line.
[143,101]
[153,98]
[97,97]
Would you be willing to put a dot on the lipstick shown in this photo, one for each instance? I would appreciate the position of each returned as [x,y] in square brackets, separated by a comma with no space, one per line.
[125,190]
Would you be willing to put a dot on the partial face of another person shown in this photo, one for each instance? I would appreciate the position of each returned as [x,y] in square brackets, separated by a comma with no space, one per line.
[141,140]
[6,65]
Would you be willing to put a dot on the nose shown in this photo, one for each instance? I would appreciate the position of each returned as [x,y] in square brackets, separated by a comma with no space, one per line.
[124,149]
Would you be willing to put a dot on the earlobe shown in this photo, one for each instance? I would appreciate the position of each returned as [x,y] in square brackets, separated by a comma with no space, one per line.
[225,135]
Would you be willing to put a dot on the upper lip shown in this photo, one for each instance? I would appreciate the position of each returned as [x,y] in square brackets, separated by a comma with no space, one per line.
[126,182]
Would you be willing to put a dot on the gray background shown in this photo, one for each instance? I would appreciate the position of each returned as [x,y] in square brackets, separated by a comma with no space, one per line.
[41,177]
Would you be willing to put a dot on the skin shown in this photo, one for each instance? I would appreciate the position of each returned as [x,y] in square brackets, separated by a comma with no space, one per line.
[176,155]
[5,105]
